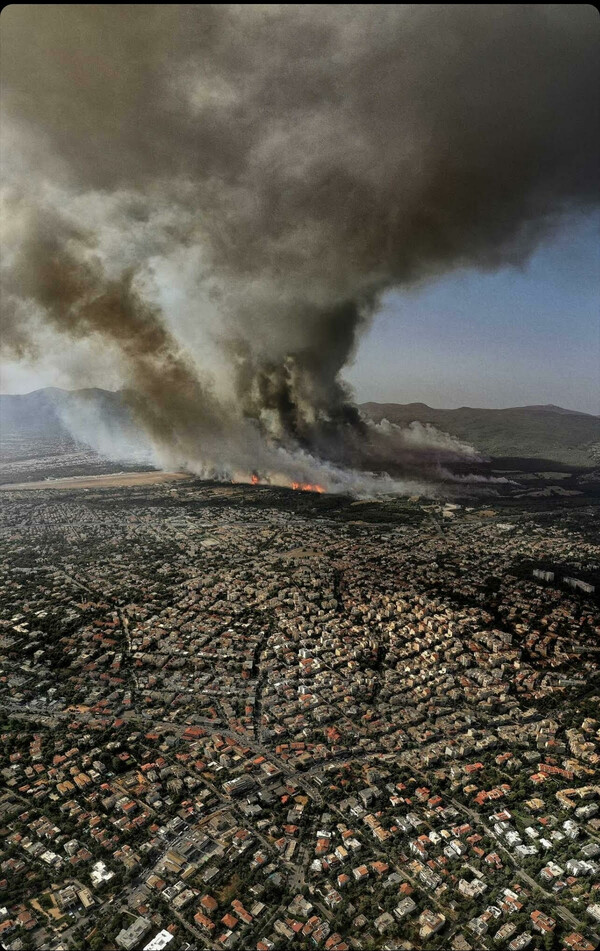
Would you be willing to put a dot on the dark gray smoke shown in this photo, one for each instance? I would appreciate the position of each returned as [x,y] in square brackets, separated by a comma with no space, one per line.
[302,159]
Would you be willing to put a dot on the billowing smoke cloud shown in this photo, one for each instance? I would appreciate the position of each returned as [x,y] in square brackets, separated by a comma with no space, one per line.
[301,160]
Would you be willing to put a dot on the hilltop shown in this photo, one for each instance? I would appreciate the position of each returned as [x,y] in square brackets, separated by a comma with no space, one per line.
[538,432]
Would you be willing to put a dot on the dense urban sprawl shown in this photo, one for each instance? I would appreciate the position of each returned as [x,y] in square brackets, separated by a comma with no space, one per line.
[228,724]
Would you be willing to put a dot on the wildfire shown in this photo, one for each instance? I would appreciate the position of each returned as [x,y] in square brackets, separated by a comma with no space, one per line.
[307,487]
[256,479]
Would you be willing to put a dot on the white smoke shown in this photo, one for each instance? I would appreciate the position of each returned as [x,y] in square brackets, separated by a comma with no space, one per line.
[419,435]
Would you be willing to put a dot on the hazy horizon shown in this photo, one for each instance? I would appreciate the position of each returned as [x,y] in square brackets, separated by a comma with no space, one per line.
[382,401]
[400,360]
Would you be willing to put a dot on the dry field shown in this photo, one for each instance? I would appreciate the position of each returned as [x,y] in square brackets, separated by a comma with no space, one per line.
[114,480]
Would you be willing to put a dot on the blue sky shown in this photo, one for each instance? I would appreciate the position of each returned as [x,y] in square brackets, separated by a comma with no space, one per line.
[508,338]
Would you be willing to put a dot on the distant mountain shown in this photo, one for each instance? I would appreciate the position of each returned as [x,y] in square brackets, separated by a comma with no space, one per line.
[46,411]
[53,432]
[539,432]
[100,418]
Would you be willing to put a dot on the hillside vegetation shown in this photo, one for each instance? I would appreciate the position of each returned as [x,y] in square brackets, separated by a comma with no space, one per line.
[540,432]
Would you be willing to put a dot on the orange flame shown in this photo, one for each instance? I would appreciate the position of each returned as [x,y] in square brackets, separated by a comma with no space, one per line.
[254,479]
[308,487]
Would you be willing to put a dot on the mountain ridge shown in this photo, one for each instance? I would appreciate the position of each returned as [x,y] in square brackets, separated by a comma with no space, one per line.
[546,432]
[540,431]
[541,407]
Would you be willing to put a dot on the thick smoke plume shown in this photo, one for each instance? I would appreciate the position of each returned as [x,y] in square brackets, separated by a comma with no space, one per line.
[285,166]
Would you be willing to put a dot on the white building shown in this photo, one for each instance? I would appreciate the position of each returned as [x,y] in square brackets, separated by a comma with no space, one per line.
[160,941]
